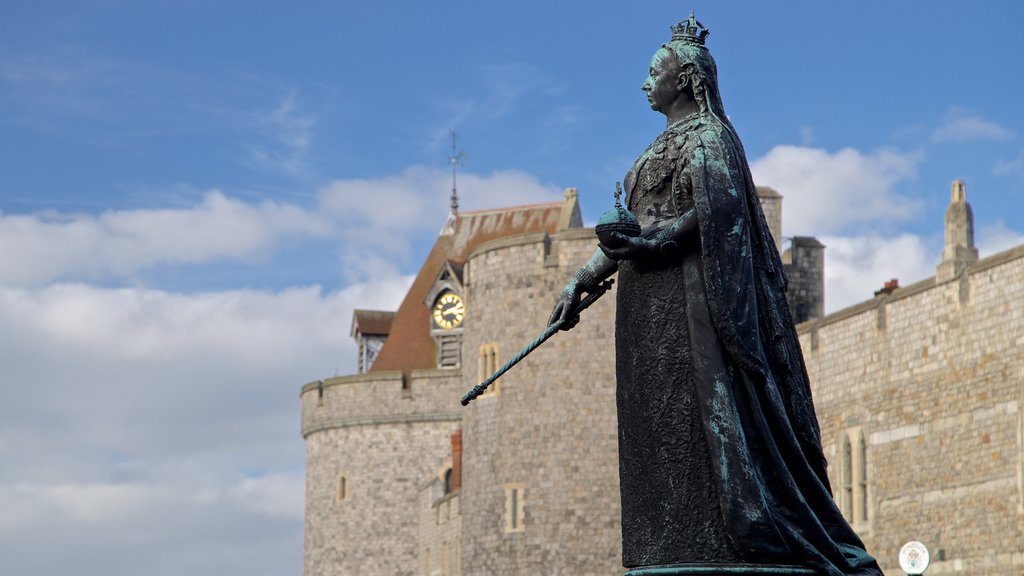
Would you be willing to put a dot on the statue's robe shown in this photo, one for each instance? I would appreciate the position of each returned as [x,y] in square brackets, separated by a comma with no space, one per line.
[719,447]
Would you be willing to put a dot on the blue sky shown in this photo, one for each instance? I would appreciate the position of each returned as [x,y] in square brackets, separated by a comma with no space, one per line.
[195,194]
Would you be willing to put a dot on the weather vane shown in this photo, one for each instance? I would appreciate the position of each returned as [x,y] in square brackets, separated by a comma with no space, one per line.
[458,158]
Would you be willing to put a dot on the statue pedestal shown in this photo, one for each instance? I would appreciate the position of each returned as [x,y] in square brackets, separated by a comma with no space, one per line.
[722,570]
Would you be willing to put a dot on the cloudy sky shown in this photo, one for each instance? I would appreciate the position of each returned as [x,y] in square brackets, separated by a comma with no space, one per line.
[195,194]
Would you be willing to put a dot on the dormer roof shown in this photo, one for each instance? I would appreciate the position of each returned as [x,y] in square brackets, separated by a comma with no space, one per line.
[371,322]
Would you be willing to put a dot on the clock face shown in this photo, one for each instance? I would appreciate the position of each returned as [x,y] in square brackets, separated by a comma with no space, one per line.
[449,311]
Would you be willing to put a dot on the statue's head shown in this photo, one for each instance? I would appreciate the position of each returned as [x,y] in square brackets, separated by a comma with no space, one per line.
[685,67]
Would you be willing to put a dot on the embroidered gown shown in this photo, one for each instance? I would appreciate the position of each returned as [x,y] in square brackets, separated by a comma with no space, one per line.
[719,448]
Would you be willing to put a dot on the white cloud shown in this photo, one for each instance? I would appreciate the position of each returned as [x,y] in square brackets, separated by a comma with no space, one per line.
[43,247]
[379,219]
[290,134]
[129,528]
[828,192]
[160,429]
[995,237]
[372,222]
[856,266]
[960,124]
[276,495]
[150,431]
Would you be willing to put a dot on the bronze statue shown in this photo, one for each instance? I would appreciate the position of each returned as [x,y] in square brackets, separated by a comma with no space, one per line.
[720,456]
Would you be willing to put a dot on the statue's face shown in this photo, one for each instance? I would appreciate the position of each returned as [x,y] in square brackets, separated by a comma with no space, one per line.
[662,84]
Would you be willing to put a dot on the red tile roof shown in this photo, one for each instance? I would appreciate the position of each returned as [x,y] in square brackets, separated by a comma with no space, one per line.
[410,345]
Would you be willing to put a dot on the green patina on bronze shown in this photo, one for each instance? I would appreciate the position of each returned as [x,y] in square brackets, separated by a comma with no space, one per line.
[721,468]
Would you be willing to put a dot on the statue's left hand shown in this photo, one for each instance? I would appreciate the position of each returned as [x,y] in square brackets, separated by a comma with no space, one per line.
[630,247]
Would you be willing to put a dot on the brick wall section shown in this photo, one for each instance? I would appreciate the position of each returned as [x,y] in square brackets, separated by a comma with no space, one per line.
[552,425]
[932,375]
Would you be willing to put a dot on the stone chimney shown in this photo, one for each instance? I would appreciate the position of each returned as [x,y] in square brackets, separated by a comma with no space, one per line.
[771,205]
[571,217]
[959,251]
[805,265]
[889,287]
[456,480]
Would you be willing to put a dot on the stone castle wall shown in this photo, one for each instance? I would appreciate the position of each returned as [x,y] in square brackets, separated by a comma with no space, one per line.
[440,532]
[550,430]
[931,377]
[386,440]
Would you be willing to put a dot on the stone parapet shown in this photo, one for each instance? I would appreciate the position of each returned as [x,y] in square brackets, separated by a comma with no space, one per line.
[380,397]
[930,379]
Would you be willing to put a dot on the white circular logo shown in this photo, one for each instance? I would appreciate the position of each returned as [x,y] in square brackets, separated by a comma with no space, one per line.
[914,557]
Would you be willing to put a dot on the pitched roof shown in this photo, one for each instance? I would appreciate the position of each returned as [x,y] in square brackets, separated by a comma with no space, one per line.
[410,345]
[371,322]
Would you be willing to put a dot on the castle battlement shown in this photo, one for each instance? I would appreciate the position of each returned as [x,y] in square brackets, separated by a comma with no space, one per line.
[919,392]
[381,398]
[401,479]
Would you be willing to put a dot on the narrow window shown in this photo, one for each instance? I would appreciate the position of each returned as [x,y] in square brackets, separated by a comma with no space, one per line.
[341,489]
[488,366]
[862,477]
[846,501]
[515,509]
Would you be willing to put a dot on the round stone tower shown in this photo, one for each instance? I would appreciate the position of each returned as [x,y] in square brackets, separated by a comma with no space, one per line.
[540,466]
[371,441]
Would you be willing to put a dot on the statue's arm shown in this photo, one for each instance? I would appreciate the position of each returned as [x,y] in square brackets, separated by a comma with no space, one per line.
[586,279]
[666,238]
[664,241]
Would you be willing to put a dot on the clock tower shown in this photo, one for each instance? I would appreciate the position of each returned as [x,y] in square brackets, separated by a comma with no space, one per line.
[447,314]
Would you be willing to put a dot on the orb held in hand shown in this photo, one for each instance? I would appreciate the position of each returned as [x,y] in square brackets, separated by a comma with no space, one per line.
[617,219]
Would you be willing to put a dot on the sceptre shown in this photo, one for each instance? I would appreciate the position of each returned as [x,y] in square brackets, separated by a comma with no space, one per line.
[585,303]
[616,220]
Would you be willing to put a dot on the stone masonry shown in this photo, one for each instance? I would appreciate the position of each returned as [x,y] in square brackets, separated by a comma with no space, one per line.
[386,440]
[931,377]
[918,392]
[550,428]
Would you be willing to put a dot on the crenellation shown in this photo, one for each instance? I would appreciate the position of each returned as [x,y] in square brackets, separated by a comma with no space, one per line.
[931,375]
[942,390]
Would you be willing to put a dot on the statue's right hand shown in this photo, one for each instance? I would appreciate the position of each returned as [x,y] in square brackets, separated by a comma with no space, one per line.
[564,306]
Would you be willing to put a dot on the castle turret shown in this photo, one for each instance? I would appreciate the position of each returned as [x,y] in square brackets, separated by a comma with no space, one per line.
[771,205]
[959,251]
[805,265]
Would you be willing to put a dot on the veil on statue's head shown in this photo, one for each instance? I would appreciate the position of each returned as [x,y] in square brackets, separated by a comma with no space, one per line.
[687,45]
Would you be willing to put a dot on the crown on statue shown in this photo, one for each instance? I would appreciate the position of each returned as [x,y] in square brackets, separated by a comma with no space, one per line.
[690,31]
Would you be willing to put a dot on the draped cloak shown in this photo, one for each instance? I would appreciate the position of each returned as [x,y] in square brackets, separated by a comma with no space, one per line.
[752,427]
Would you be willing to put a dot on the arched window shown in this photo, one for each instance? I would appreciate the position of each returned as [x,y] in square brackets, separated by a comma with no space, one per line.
[862,478]
[488,365]
[846,470]
[448,481]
